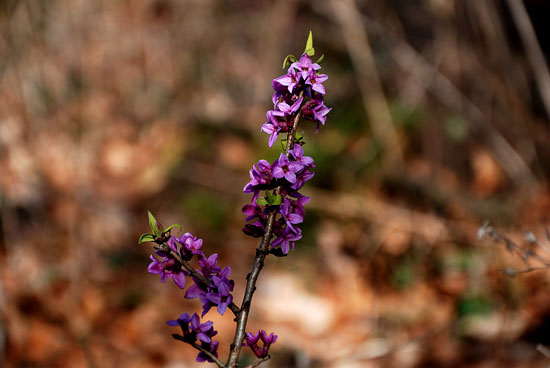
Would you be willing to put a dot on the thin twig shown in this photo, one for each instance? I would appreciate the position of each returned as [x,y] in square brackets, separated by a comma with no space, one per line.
[376,106]
[258,362]
[218,362]
[450,95]
[532,49]
[544,350]
[524,254]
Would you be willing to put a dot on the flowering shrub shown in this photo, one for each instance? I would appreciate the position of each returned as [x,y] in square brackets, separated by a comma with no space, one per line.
[274,214]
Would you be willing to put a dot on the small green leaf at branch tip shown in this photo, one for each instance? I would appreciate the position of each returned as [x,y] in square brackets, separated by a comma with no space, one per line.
[276,200]
[289,60]
[261,201]
[321,59]
[155,226]
[146,238]
[309,45]
[171,227]
[152,221]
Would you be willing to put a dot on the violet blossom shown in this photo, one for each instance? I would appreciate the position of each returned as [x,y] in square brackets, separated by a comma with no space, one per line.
[192,330]
[252,340]
[285,168]
[168,267]
[218,294]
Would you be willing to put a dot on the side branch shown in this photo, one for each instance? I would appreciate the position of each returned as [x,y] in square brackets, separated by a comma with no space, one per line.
[218,362]
[258,362]
[163,247]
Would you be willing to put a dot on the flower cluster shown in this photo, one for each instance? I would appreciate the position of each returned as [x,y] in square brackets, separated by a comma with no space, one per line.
[275,213]
[302,80]
[288,174]
[216,292]
[252,340]
[192,330]
[283,179]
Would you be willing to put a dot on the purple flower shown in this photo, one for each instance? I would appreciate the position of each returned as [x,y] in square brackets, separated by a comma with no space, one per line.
[316,110]
[254,212]
[289,80]
[219,292]
[287,109]
[316,81]
[286,240]
[222,296]
[301,178]
[188,245]
[255,229]
[291,214]
[260,178]
[298,155]
[272,126]
[212,348]
[305,66]
[208,265]
[280,120]
[284,168]
[251,341]
[168,267]
[191,243]
[192,330]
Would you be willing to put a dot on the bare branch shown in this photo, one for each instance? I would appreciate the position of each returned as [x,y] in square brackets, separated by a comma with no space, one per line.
[532,49]
[376,106]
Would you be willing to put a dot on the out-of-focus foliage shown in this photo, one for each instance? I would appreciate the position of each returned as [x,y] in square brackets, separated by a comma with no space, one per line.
[112,108]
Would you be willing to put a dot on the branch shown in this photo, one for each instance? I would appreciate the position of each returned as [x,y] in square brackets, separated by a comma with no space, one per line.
[218,362]
[375,103]
[258,362]
[451,96]
[261,253]
[533,50]
[523,253]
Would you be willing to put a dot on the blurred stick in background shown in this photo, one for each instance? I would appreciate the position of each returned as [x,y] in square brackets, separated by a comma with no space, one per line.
[532,49]
[451,96]
[376,106]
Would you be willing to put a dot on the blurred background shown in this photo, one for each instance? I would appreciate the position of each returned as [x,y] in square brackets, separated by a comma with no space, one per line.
[440,121]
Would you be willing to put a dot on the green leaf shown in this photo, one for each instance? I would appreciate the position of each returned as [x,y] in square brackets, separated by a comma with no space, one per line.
[155,226]
[152,222]
[261,201]
[320,60]
[309,45]
[269,197]
[289,60]
[171,227]
[277,200]
[146,238]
